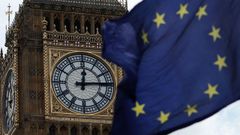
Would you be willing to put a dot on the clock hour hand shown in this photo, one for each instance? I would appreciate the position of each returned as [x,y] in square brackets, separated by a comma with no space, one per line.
[78,83]
[82,83]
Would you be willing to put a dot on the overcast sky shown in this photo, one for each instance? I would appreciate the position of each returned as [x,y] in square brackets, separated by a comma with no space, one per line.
[226,122]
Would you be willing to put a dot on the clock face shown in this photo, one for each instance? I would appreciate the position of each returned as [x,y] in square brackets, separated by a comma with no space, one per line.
[83,83]
[9,101]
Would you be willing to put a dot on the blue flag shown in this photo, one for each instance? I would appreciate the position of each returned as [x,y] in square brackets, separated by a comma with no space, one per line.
[181,61]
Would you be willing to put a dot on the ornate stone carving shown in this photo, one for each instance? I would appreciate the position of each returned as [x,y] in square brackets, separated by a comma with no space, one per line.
[57,107]
[16,73]
[56,55]
[74,40]
[46,79]
[120,74]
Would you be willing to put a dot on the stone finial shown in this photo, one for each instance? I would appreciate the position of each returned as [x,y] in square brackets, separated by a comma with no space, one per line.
[97,30]
[76,28]
[65,28]
[87,32]
[54,26]
[45,23]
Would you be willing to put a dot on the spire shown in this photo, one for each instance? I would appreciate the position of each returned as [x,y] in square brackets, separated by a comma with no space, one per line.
[1,60]
[1,54]
[8,13]
[126,5]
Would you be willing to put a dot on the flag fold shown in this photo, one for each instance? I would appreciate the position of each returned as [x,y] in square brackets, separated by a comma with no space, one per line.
[181,62]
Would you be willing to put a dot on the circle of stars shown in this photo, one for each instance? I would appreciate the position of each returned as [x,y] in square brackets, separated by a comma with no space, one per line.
[221,63]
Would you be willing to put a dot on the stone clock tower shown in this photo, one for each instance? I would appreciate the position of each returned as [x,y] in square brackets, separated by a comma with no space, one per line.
[53,79]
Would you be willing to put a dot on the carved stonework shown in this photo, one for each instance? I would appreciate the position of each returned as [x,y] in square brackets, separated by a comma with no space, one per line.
[46,85]
[73,40]
[110,111]
[16,74]
[120,74]
[56,55]
[57,107]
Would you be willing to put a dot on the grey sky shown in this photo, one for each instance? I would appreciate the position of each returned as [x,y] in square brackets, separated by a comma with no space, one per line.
[226,122]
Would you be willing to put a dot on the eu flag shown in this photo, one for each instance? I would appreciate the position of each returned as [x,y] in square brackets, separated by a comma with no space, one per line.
[181,60]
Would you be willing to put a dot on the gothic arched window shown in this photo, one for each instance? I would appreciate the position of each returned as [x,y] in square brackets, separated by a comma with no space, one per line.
[73,131]
[106,131]
[63,130]
[48,24]
[97,27]
[67,24]
[95,131]
[77,25]
[85,131]
[52,130]
[87,26]
[57,24]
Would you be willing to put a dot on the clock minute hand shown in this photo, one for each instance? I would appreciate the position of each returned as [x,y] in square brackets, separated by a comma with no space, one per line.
[93,83]
[97,83]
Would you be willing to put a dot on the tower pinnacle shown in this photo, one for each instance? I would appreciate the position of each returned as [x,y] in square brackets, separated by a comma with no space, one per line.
[8,13]
[1,53]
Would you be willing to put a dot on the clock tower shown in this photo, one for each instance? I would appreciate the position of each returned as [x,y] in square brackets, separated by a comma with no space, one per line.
[53,78]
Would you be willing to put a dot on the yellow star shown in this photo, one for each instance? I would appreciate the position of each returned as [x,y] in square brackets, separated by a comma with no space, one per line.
[191,109]
[221,62]
[212,90]
[183,10]
[145,37]
[163,117]
[215,33]
[138,109]
[159,20]
[202,12]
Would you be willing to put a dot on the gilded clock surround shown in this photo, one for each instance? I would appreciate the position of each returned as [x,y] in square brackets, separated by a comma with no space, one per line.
[56,108]
[95,55]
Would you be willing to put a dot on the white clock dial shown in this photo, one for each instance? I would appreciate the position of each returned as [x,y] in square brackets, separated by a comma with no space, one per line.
[83,83]
[9,101]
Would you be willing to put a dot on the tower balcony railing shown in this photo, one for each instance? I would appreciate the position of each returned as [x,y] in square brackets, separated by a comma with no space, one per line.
[85,40]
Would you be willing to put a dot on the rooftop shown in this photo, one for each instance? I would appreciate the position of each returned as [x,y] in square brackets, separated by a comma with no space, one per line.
[87,3]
